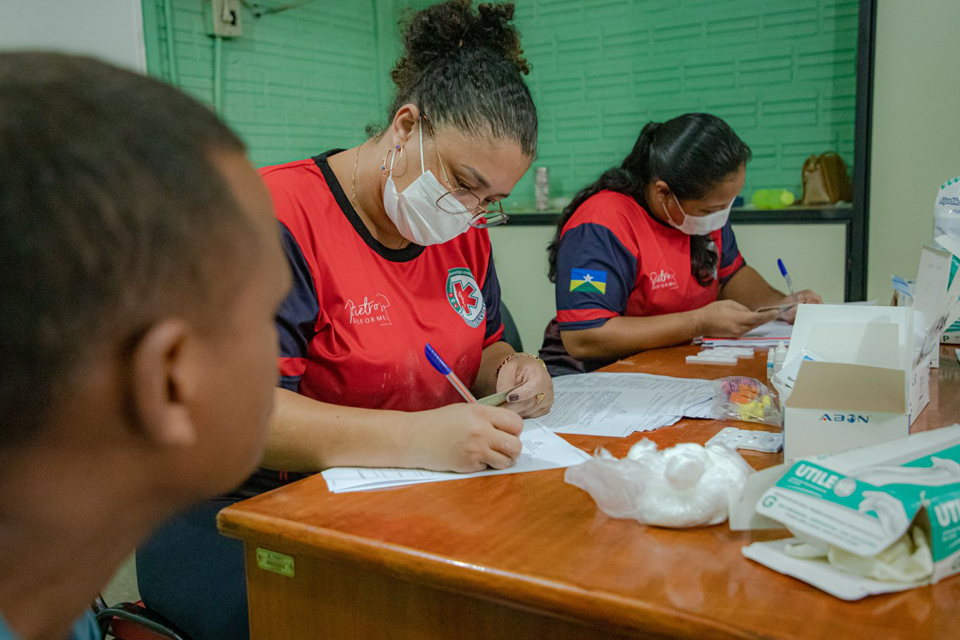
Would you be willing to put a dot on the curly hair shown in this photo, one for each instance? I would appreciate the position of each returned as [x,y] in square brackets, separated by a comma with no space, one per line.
[465,68]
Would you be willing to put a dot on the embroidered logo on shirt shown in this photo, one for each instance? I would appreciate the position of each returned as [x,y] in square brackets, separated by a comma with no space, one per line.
[465,296]
[370,311]
[665,279]
[588,281]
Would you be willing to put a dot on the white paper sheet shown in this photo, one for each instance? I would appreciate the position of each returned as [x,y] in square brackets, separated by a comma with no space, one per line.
[772,330]
[766,336]
[618,404]
[542,450]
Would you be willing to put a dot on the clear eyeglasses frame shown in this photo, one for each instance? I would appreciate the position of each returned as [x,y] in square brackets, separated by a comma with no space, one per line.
[456,200]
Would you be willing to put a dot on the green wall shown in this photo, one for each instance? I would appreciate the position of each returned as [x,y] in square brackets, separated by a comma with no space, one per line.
[311,78]
[296,82]
[781,73]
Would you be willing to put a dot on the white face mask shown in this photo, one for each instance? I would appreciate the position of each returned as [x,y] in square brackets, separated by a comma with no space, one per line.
[701,225]
[415,210]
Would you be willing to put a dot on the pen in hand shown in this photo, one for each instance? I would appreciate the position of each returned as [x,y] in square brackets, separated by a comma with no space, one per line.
[786,276]
[446,371]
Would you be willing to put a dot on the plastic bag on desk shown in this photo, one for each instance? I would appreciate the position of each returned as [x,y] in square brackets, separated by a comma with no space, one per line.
[684,486]
[746,399]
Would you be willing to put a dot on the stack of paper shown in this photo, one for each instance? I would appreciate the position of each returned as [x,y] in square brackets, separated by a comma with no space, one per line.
[541,450]
[766,336]
[618,404]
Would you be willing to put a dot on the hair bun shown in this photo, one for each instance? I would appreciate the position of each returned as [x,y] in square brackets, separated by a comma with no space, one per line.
[453,28]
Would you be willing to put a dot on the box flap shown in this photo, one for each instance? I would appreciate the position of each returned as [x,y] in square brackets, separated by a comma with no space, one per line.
[809,315]
[874,344]
[816,502]
[849,387]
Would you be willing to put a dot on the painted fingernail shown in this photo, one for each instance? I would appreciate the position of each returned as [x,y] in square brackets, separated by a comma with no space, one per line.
[513,397]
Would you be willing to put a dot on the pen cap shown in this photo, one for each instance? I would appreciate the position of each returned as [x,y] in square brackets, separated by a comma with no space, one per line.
[436,360]
[783,269]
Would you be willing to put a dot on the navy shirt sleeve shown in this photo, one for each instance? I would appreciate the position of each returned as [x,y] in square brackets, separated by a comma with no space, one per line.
[491,298]
[297,315]
[730,259]
[595,276]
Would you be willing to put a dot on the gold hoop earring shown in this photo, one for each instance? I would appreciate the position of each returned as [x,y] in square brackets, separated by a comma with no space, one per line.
[397,153]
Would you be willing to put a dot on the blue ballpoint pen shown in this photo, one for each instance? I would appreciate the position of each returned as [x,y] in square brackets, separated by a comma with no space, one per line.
[786,276]
[444,369]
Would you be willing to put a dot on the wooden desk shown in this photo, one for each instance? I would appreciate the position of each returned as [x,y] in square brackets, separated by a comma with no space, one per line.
[528,556]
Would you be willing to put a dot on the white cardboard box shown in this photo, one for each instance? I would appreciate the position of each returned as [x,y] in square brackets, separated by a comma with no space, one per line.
[825,498]
[866,391]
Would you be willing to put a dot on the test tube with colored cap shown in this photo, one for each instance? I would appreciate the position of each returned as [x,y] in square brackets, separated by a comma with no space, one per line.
[446,371]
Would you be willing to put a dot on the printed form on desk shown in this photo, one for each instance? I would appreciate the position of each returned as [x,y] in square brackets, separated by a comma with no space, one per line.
[542,450]
[618,404]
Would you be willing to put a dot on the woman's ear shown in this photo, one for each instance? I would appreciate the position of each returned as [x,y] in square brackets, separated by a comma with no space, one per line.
[404,122]
[662,191]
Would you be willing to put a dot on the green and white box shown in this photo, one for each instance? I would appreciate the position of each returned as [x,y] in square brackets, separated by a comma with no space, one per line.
[863,501]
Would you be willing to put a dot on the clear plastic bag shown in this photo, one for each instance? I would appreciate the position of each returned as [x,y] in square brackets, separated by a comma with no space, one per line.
[684,486]
[946,210]
[746,399]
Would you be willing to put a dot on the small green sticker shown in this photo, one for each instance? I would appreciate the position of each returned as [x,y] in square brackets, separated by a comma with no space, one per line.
[275,562]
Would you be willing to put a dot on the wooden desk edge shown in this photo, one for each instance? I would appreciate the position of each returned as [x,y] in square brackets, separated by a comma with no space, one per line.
[557,599]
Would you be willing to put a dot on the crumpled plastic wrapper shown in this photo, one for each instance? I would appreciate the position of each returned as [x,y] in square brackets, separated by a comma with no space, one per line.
[684,486]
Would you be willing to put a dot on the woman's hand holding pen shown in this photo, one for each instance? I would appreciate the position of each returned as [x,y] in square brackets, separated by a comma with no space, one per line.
[462,438]
[803,297]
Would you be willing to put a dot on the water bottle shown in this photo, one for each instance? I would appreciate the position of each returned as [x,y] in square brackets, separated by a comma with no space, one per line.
[773,198]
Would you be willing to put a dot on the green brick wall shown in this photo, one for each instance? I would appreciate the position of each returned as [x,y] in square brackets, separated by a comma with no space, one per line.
[295,83]
[782,74]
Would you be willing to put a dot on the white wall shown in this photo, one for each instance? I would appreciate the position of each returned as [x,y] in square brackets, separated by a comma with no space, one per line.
[916,131]
[814,254]
[107,29]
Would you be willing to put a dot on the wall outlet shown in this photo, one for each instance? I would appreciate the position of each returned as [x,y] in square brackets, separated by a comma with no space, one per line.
[226,19]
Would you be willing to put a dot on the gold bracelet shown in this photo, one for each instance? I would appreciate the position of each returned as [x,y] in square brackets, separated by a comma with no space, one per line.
[521,355]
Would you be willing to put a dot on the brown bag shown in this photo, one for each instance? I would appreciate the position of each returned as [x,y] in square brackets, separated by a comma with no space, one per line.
[825,180]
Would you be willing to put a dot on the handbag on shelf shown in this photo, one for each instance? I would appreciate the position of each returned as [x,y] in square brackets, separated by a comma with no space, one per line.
[825,180]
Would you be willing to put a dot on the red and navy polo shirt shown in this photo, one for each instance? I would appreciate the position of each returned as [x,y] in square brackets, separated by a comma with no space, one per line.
[616,259]
[353,328]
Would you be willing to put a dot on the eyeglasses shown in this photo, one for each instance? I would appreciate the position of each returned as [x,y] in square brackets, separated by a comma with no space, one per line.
[456,200]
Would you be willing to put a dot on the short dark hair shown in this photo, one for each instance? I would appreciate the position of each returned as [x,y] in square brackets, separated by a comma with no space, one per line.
[692,153]
[112,213]
[465,68]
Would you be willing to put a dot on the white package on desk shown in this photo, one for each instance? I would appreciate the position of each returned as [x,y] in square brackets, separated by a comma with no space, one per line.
[748,439]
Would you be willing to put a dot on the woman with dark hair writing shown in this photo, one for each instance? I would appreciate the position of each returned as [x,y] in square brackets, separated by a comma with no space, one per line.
[645,257]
